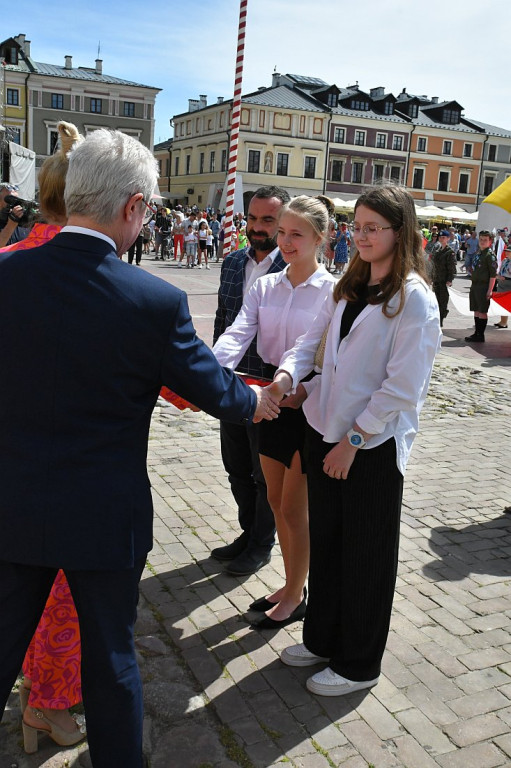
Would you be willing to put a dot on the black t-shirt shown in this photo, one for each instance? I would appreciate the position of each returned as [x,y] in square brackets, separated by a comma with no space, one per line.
[354,308]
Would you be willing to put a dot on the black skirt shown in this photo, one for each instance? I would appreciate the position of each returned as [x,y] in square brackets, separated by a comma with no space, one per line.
[281,438]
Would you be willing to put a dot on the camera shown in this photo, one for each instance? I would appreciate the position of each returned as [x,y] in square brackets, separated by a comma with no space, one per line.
[30,209]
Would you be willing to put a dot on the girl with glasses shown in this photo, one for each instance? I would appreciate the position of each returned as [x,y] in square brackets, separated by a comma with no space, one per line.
[362,414]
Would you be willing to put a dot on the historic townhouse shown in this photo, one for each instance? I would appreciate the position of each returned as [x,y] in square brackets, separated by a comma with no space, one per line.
[37,95]
[496,164]
[283,133]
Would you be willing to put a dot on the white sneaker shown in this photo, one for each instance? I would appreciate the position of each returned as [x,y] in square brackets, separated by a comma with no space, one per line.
[207,266]
[200,266]
[300,656]
[329,683]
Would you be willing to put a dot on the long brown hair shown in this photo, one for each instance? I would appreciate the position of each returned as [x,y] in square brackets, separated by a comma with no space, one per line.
[397,206]
[52,176]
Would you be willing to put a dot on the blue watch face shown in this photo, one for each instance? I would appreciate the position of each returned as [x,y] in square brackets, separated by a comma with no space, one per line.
[355,440]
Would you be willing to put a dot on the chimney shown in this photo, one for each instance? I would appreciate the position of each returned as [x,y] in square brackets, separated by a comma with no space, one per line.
[376,92]
[69,62]
[27,48]
[220,100]
[434,99]
[99,66]
[20,39]
[275,79]
[193,105]
[203,101]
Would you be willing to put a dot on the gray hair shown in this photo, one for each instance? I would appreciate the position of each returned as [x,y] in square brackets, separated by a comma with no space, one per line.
[105,170]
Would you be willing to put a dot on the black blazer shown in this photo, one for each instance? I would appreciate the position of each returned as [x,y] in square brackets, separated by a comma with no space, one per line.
[86,342]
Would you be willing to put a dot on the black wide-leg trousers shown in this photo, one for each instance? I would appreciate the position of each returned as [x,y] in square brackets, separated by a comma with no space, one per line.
[354,541]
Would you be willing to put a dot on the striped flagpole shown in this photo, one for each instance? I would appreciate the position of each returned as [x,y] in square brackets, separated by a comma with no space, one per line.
[235,129]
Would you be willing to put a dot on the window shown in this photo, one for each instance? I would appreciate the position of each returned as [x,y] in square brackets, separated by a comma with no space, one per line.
[223,161]
[57,101]
[211,162]
[422,144]
[363,106]
[395,174]
[254,161]
[167,166]
[310,168]
[378,173]
[413,110]
[388,108]
[129,109]
[332,100]
[339,135]
[188,161]
[176,166]
[397,142]
[418,178]
[95,105]
[492,152]
[467,150]
[447,148]
[12,55]
[159,167]
[282,164]
[54,140]
[360,138]
[15,135]
[381,140]
[336,170]
[443,181]
[356,173]
[201,162]
[488,185]
[450,116]
[463,183]
[13,97]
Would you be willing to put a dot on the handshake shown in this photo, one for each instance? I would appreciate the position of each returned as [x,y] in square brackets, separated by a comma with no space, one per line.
[268,398]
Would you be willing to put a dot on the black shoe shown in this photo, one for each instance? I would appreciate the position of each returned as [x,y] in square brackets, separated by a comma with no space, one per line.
[263,604]
[268,623]
[247,563]
[230,551]
[475,337]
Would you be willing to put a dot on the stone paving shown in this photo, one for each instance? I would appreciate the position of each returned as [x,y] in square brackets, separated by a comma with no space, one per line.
[216,694]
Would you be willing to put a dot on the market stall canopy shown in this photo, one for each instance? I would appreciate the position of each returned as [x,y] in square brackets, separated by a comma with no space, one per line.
[431,212]
[343,205]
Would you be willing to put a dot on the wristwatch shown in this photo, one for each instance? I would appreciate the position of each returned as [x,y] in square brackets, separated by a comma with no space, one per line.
[356,439]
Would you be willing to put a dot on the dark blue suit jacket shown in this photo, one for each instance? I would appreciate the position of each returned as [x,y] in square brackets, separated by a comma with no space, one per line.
[86,342]
[230,300]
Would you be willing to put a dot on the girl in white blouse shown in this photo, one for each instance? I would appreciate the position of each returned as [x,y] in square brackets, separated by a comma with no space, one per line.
[362,414]
[279,308]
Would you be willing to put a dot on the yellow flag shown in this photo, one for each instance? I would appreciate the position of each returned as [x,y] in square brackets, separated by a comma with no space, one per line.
[501,197]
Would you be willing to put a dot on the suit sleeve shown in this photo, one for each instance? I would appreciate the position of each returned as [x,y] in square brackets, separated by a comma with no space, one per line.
[220,322]
[190,369]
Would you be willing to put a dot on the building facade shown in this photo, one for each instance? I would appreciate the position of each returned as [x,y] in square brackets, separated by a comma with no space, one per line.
[310,136]
[35,96]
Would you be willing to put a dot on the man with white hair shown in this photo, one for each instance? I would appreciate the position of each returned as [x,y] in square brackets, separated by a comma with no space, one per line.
[97,338]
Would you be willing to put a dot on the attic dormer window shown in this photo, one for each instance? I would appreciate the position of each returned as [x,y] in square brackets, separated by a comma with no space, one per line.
[388,108]
[332,100]
[362,106]
[413,110]
[13,55]
[450,116]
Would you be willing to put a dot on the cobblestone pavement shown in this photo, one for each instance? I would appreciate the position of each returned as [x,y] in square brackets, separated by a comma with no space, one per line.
[217,695]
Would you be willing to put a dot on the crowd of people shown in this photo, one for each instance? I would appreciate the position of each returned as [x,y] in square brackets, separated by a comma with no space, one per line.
[318,384]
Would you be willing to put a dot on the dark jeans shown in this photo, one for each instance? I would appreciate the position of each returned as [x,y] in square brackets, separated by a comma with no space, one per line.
[241,461]
[106,605]
[137,246]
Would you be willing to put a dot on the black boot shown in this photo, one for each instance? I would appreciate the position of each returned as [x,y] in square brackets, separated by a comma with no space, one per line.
[479,332]
[483,322]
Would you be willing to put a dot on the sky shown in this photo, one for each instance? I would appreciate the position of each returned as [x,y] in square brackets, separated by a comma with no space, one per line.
[454,49]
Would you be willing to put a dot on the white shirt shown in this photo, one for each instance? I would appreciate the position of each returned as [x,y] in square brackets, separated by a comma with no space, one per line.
[277,313]
[90,232]
[377,376]
[253,270]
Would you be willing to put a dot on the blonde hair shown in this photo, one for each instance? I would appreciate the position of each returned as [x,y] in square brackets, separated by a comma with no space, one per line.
[52,176]
[313,209]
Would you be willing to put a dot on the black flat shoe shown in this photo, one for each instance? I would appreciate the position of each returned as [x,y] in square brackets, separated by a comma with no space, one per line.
[268,623]
[263,604]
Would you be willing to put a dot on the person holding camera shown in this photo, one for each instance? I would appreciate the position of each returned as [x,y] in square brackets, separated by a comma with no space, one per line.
[10,216]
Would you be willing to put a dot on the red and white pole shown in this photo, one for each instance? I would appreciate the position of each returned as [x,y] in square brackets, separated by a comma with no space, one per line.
[235,129]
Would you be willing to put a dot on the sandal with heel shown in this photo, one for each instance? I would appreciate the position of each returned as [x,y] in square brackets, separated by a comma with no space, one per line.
[59,735]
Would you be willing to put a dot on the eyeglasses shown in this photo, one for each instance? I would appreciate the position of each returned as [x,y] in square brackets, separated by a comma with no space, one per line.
[368,229]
